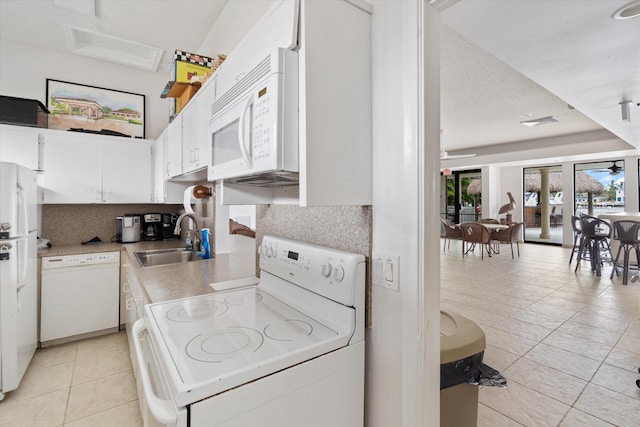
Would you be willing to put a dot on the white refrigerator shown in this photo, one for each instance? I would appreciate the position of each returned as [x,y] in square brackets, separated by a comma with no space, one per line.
[18,276]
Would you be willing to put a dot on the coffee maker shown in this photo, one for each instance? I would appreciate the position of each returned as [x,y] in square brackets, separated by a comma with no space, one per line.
[152,226]
[128,228]
[168,225]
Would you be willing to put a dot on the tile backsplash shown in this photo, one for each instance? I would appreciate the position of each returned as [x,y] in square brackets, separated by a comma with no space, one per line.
[73,224]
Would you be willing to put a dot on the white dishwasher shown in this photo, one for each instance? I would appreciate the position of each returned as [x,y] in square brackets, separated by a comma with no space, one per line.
[80,296]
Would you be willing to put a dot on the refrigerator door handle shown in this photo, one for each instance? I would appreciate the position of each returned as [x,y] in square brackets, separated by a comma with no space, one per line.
[23,258]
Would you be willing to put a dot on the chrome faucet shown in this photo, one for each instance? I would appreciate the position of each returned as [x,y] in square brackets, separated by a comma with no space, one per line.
[196,238]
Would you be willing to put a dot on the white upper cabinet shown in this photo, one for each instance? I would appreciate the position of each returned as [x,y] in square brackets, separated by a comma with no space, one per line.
[19,144]
[173,147]
[159,179]
[163,190]
[195,124]
[126,171]
[81,168]
[73,169]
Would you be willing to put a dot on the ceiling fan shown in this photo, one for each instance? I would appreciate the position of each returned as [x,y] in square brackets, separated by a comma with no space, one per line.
[444,155]
[614,169]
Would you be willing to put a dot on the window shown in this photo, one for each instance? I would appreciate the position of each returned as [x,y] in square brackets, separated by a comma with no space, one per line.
[599,187]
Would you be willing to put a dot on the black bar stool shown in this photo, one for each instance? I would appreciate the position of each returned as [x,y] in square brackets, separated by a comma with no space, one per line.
[595,240]
[627,232]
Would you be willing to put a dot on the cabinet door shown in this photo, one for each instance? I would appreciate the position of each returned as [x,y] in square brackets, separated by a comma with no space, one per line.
[73,169]
[195,127]
[174,147]
[126,171]
[19,144]
[159,183]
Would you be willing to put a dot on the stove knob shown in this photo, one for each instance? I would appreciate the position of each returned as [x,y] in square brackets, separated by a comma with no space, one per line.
[326,269]
[338,274]
[271,252]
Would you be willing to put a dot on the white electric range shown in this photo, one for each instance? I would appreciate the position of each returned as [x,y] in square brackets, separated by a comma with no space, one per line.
[288,351]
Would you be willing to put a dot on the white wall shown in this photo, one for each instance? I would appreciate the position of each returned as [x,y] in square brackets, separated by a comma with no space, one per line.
[24,71]
[236,19]
[399,391]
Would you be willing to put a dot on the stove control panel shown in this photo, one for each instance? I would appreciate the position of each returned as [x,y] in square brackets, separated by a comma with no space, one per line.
[329,272]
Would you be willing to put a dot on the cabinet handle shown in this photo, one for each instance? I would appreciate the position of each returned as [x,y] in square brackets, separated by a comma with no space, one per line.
[128,303]
[126,288]
[196,154]
[99,195]
[40,152]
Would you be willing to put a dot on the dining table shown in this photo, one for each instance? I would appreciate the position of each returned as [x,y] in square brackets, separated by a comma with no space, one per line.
[491,248]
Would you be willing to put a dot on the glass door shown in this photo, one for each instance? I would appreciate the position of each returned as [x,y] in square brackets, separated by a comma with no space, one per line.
[599,187]
[543,205]
[461,196]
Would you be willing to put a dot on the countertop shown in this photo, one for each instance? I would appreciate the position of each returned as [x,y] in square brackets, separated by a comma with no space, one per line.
[171,281]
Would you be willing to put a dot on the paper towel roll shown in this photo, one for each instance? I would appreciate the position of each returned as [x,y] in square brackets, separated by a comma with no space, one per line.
[187,199]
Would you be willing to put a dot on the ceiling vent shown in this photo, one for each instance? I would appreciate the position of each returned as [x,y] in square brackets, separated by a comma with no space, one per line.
[112,49]
[540,121]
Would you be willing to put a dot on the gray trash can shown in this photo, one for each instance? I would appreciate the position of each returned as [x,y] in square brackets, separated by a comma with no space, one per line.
[462,345]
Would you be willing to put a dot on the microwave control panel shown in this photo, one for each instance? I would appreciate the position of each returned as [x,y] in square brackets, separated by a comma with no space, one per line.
[263,126]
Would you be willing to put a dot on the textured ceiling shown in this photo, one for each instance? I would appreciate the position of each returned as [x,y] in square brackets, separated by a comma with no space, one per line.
[572,48]
[484,97]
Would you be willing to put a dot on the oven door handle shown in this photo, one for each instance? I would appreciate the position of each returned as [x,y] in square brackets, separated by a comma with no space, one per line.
[161,410]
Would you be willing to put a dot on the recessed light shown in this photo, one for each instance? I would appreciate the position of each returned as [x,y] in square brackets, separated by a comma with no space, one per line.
[540,121]
[631,10]
[525,115]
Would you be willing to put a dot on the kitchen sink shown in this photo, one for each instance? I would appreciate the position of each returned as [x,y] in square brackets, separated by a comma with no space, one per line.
[155,257]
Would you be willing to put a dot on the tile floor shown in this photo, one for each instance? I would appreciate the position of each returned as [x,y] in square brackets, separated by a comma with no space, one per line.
[568,343]
[88,383]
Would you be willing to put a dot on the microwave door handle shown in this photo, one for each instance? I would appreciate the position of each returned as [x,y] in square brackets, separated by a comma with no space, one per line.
[246,151]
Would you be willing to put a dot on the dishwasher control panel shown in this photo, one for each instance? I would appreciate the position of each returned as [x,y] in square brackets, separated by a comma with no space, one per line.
[80,259]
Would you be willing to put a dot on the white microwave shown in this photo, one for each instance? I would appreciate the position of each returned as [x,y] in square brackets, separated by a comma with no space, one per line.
[253,126]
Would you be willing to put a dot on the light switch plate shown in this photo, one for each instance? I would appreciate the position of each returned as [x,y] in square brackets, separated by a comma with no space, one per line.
[386,271]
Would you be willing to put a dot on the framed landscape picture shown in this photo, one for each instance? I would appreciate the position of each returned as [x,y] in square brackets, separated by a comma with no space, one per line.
[84,108]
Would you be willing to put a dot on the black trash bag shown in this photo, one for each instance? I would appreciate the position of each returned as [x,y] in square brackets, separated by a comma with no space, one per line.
[489,377]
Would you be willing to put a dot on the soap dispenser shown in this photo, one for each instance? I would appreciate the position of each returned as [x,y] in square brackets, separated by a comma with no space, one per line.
[205,244]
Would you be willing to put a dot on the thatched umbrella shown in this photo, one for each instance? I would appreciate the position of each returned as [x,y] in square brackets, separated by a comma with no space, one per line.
[532,182]
[475,186]
[584,183]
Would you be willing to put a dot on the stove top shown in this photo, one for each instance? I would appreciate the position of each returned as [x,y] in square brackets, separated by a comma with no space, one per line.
[211,343]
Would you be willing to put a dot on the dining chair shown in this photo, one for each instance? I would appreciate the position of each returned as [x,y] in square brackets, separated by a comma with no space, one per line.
[473,234]
[450,232]
[595,242]
[627,233]
[509,235]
